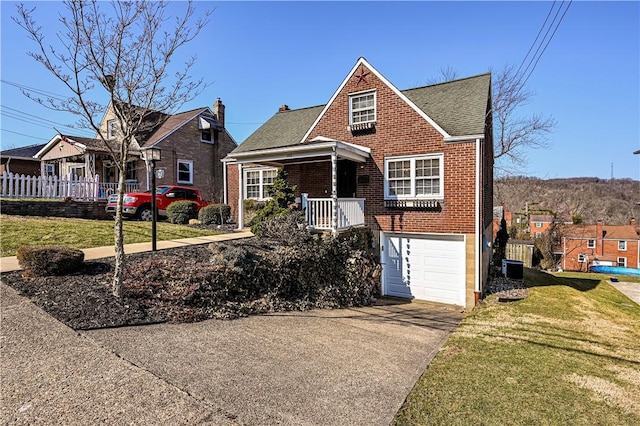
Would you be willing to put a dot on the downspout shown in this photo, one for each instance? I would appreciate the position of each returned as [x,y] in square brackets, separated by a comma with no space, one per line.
[478,275]
[224,183]
[564,253]
[240,198]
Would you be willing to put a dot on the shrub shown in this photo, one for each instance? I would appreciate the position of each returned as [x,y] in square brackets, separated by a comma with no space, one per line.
[282,196]
[289,229]
[181,212]
[214,214]
[251,207]
[44,261]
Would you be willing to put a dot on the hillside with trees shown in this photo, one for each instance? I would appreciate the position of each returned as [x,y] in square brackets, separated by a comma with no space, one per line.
[584,199]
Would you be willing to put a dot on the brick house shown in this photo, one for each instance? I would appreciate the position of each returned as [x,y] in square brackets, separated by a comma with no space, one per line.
[192,144]
[583,246]
[20,160]
[416,166]
[539,224]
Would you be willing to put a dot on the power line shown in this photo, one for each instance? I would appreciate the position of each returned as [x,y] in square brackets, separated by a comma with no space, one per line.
[521,80]
[22,134]
[35,90]
[38,121]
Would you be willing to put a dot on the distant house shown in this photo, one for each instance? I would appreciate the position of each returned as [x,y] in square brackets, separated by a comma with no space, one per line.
[582,246]
[416,166]
[21,160]
[539,224]
[192,144]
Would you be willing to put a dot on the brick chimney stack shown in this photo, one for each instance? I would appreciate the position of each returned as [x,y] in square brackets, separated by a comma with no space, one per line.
[218,111]
[284,108]
[633,221]
[600,235]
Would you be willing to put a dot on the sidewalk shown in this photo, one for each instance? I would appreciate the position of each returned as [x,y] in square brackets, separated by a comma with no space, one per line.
[8,264]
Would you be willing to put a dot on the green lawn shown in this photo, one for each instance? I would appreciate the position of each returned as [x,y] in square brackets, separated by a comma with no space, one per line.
[569,354]
[17,231]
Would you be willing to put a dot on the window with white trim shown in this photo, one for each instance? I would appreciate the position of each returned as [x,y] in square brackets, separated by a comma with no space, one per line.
[49,170]
[206,136]
[591,244]
[258,181]
[622,261]
[185,171]
[622,245]
[112,128]
[362,108]
[538,234]
[419,177]
[582,258]
[537,224]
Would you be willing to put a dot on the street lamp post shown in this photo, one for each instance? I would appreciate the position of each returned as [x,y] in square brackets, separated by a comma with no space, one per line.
[152,154]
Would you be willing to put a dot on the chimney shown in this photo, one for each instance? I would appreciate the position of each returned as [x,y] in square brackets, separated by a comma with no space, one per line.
[600,236]
[283,108]
[633,221]
[218,111]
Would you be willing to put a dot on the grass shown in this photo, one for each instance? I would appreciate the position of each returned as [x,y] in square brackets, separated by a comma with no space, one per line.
[17,231]
[567,354]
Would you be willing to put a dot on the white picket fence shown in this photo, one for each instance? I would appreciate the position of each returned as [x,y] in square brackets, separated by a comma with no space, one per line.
[52,187]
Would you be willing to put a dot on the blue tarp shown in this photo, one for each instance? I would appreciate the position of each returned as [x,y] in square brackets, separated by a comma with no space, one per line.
[616,270]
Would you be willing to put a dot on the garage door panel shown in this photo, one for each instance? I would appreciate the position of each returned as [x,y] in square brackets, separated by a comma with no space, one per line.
[424,268]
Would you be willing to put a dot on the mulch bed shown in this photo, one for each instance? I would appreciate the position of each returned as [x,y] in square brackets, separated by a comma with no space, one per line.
[83,300]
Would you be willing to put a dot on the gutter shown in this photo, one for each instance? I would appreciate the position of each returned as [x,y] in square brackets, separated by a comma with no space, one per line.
[478,275]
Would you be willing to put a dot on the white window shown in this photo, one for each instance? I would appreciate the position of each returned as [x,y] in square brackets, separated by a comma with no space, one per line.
[419,177]
[591,244]
[205,136]
[537,225]
[582,258]
[112,129]
[49,170]
[538,234]
[76,170]
[362,108]
[622,245]
[258,182]
[185,171]
[622,261]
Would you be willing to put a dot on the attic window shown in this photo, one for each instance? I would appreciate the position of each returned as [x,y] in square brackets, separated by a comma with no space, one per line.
[205,136]
[112,129]
[362,108]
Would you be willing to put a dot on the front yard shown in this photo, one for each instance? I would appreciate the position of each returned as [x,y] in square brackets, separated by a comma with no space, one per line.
[17,231]
[567,354]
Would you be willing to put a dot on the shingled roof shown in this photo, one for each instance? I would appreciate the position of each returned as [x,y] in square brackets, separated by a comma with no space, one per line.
[458,106]
[24,152]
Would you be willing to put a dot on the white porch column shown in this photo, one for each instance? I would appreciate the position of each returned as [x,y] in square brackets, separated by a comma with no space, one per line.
[89,165]
[334,190]
[240,197]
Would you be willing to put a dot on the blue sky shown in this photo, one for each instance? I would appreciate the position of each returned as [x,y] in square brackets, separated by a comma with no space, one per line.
[260,55]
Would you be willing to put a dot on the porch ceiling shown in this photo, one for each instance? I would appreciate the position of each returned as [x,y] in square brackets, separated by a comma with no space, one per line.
[318,147]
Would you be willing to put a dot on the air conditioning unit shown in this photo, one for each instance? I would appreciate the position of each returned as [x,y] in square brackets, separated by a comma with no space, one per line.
[513,269]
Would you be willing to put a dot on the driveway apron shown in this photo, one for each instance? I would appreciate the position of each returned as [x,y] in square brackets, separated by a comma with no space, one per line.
[322,367]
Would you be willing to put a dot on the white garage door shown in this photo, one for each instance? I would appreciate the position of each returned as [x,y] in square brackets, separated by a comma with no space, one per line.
[424,267]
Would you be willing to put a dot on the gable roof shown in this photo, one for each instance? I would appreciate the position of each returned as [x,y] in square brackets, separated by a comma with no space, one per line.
[614,232]
[285,128]
[172,123]
[456,108]
[24,152]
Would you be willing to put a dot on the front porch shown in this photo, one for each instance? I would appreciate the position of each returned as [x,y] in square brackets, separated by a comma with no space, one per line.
[324,173]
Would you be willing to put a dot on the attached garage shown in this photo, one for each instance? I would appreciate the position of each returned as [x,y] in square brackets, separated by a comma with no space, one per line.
[424,267]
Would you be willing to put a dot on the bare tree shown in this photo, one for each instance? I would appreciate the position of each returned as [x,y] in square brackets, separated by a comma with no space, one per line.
[514,133]
[121,52]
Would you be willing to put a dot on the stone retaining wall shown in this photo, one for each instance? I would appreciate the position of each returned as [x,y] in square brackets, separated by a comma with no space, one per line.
[76,209]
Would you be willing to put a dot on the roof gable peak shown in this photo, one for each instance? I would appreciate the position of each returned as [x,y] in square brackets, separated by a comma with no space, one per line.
[362,62]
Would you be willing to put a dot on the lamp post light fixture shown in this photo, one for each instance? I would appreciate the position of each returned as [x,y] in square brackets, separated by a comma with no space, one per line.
[152,154]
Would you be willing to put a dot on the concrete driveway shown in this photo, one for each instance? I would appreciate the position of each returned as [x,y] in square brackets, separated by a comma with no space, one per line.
[329,367]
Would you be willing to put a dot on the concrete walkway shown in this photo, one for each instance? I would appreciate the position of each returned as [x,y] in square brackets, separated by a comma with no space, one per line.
[631,290]
[11,263]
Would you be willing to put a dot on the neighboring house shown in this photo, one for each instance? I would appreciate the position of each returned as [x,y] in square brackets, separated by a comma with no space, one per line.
[539,224]
[20,160]
[416,166]
[582,246]
[192,144]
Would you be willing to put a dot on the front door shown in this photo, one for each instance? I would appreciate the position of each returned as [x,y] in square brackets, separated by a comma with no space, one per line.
[347,179]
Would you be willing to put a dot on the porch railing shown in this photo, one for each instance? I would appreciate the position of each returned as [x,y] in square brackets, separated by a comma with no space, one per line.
[58,187]
[319,213]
